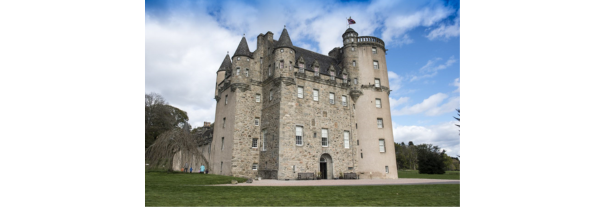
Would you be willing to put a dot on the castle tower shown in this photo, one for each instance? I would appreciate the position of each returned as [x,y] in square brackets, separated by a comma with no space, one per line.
[365,58]
[284,55]
[220,74]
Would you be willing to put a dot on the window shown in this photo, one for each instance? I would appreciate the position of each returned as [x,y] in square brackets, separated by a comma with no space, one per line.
[357,142]
[237,58]
[264,140]
[381,144]
[291,51]
[386,169]
[352,48]
[300,91]
[344,100]
[256,121]
[254,166]
[378,104]
[324,137]
[355,81]
[282,50]
[294,168]
[255,143]
[270,95]
[331,98]
[247,59]
[346,139]
[375,64]
[316,70]
[315,95]
[281,63]
[301,65]
[247,71]
[257,97]
[331,75]
[269,70]
[209,148]
[261,60]
[237,71]
[377,83]
[374,50]
[354,63]
[226,96]
[344,78]
[299,134]
[361,155]
[380,123]
[222,143]
[224,123]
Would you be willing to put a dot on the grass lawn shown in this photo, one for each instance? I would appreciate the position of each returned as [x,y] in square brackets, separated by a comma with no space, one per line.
[451,175]
[182,189]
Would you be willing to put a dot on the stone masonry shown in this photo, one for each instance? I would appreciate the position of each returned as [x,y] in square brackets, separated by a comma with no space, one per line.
[264,96]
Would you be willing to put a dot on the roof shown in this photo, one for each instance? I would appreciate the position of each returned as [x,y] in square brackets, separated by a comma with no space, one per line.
[242,49]
[284,40]
[226,64]
[324,61]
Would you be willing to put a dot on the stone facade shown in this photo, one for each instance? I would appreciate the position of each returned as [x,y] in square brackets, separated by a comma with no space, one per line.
[264,96]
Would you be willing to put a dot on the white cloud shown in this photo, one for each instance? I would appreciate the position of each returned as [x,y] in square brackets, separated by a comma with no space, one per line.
[398,24]
[397,102]
[431,69]
[457,84]
[444,135]
[445,32]
[429,106]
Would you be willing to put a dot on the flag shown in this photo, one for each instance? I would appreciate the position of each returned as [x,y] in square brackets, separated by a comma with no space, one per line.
[351,21]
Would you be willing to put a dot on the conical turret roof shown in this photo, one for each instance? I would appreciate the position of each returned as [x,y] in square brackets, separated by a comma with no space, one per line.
[284,40]
[226,64]
[242,49]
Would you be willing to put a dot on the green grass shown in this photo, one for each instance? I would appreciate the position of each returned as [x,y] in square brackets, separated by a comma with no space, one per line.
[181,189]
[451,175]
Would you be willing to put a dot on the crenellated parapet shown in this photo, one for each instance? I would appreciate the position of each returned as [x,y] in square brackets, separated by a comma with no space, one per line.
[369,40]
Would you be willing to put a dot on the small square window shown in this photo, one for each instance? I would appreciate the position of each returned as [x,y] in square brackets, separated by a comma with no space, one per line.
[281,50]
[256,121]
[237,58]
[254,166]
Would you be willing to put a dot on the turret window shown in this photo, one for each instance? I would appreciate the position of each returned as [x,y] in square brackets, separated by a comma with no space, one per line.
[237,58]
[355,81]
[237,72]
[375,64]
[226,97]
[247,71]
[378,103]
[281,50]
[377,83]
[381,145]
[281,64]
[247,59]
[354,63]
[374,50]
[352,48]
[379,120]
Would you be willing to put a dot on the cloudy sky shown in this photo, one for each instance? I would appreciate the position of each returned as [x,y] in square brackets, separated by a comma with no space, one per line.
[186,41]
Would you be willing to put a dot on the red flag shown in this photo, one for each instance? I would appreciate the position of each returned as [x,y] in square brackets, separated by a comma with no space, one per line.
[351,21]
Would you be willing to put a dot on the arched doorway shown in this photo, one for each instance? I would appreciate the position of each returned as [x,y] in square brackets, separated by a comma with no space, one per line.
[325,166]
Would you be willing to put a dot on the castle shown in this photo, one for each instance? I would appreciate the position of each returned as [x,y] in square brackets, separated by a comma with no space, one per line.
[283,110]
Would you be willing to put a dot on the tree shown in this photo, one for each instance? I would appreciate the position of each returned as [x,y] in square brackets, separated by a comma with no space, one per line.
[457,118]
[161,154]
[412,155]
[430,159]
[161,117]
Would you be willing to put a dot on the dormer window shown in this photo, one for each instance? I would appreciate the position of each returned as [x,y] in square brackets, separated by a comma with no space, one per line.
[344,78]
[331,75]
[316,70]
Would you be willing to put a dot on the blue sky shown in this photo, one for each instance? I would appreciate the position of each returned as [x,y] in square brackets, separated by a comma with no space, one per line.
[187,40]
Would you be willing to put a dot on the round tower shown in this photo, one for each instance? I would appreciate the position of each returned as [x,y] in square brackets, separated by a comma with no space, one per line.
[284,55]
[220,74]
[242,63]
[364,56]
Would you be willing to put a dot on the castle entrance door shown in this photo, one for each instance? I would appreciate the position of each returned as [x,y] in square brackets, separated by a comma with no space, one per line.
[325,166]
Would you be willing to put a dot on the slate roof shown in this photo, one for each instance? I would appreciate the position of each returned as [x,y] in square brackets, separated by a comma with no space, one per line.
[324,61]
[242,49]
[226,64]
[284,40]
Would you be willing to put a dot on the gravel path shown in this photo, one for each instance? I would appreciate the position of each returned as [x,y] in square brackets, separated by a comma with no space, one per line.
[400,181]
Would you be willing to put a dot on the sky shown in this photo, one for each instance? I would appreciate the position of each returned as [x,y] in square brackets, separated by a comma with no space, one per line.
[186,41]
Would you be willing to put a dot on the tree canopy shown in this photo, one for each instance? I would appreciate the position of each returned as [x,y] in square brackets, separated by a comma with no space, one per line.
[430,159]
[161,117]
